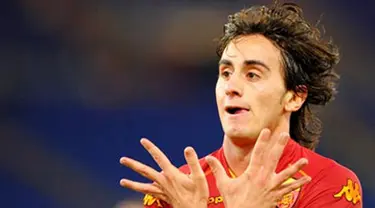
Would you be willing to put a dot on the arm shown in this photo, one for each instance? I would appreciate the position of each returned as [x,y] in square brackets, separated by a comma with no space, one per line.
[334,187]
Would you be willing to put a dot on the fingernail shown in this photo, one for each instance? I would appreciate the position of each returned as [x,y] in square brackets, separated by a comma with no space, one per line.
[123,160]
[188,150]
[266,131]
[122,181]
[284,134]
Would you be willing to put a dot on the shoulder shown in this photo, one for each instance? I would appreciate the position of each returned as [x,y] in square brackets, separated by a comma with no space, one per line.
[326,170]
[332,184]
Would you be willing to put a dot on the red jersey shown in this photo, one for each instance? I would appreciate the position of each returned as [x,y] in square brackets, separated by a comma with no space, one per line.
[332,184]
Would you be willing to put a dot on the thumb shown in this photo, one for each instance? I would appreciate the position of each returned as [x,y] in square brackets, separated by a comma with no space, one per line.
[217,169]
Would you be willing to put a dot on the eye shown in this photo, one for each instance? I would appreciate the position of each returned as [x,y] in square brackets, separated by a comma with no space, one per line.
[225,73]
[252,76]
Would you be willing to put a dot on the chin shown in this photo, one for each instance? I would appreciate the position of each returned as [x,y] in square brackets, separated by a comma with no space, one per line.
[240,133]
[240,140]
[234,133]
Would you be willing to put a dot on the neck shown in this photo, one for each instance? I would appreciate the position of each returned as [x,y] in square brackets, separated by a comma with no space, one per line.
[238,156]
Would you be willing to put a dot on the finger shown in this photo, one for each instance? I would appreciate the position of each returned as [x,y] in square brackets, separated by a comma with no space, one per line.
[142,169]
[274,155]
[156,154]
[157,185]
[261,178]
[162,197]
[193,162]
[145,188]
[153,189]
[287,188]
[197,173]
[257,157]
[217,169]
[289,172]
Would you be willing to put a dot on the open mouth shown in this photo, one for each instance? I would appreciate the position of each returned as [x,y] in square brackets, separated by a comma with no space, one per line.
[235,110]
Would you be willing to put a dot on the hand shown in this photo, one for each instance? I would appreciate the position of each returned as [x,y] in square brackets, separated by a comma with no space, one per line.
[170,185]
[259,186]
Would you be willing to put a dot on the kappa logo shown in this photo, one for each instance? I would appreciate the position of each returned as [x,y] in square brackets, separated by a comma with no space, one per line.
[289,199]
[149,200]
[215,200]
[350,192]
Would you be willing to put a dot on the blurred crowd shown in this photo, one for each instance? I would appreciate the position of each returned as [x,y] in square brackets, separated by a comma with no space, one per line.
[82,81]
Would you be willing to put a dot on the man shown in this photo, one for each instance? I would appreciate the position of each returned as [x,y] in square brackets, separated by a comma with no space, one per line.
[273,67]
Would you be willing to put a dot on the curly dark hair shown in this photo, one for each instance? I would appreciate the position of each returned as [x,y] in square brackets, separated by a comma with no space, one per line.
[308,59]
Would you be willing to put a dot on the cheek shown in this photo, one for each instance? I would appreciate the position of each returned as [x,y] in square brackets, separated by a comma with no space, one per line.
[266,98]
[219,92]
[219,97]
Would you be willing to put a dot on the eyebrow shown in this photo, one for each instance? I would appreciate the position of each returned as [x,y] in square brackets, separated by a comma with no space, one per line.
[245,63]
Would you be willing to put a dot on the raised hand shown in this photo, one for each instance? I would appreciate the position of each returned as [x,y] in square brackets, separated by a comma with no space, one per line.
[259,186]
[170,185]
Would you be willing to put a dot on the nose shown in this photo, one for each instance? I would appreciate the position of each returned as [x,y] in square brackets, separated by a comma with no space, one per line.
[234,87]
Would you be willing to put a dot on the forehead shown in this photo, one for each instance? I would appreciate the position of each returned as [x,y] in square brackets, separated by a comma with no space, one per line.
[253,47]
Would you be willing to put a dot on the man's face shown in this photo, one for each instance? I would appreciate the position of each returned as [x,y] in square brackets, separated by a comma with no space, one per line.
[250,89]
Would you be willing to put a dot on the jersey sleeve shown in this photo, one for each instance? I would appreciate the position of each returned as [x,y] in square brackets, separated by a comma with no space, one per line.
[334,187]
[152,202]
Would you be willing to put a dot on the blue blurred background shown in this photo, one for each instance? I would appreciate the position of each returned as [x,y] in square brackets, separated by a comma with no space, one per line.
[82,81]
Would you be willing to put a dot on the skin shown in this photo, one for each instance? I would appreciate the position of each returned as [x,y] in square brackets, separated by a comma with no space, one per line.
[250,79]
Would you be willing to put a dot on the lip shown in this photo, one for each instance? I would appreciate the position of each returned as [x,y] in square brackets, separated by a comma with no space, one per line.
[242,112]
[236,106]
[238,110]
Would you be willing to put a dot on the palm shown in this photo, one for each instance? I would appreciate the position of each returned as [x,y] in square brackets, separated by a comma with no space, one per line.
[170,185]
[259,185]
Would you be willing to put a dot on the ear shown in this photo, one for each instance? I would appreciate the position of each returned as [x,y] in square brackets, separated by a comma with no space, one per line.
[294,100]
